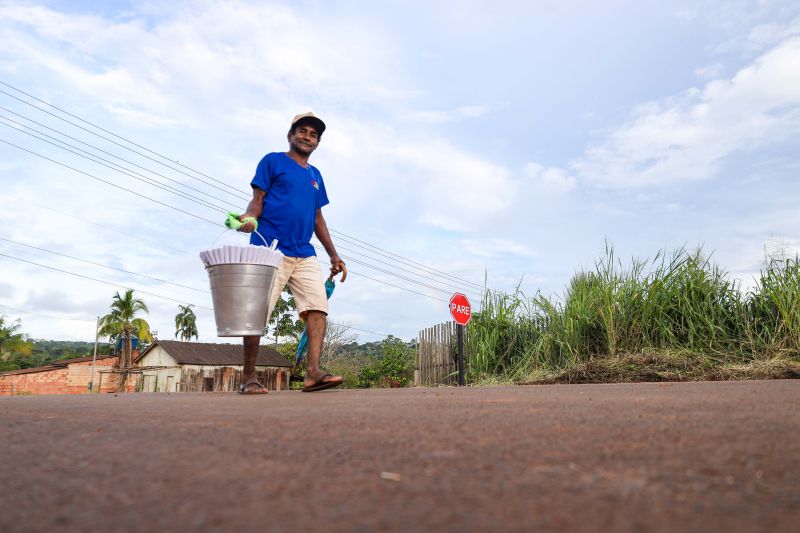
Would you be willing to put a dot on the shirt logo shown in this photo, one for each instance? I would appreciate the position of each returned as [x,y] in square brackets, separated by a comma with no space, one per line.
[315,184]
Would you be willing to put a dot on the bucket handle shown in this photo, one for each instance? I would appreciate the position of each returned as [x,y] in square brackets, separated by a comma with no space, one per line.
[272,246]
[233,222]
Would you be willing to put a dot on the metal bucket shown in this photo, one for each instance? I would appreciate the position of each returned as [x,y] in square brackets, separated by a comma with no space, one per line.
[240,293]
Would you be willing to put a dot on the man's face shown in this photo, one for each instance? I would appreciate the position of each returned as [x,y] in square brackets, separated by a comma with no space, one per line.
[304,140]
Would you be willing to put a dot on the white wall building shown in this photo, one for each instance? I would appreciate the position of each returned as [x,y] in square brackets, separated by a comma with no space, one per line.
[174,366]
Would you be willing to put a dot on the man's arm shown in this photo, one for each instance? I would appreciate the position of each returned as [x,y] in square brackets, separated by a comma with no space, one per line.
[254,209]
[324,236]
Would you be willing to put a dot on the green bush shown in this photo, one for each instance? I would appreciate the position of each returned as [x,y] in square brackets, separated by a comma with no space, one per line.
[393,368]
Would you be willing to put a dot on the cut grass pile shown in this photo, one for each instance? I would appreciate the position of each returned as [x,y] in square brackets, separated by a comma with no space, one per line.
[676,317]
[667,367]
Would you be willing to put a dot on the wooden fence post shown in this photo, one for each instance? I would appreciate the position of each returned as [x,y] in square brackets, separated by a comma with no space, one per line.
[436,355]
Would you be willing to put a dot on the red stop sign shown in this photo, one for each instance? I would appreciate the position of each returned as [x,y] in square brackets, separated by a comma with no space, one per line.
[460,309]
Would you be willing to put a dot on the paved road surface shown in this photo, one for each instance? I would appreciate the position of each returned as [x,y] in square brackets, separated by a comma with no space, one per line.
[641,457]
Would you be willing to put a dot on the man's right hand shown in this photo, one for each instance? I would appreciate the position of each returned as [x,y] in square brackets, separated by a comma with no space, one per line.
[248,223]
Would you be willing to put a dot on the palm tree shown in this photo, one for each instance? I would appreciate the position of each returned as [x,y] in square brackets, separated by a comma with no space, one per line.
[9,332]
[186,323]
[12,341]
[122,323]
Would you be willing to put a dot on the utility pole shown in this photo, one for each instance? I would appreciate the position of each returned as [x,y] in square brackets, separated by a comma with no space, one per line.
[94,357]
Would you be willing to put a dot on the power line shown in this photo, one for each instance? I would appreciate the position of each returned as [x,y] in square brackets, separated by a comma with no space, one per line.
[110,133]
[158,279]
[134,175]
[357,242]
[185,252]
[108,182]
[104,226]
[359,329]
[162,186]
[350,271]
[101,151]
[439,289]
[214,223]
[413,273]
[201,218]
[391,254]
[104,266]
[118,285]
[137,236]
[139,290]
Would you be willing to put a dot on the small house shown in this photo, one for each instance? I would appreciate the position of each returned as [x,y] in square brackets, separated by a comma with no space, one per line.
[177,366]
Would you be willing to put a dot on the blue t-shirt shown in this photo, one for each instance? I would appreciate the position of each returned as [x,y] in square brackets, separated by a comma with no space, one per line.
[293,196]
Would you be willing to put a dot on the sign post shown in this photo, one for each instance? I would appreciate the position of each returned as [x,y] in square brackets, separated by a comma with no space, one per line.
[461,311]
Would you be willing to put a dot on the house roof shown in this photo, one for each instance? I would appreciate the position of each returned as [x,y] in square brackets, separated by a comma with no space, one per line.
[64,362]
[32,370]
[61,363]
[206,353]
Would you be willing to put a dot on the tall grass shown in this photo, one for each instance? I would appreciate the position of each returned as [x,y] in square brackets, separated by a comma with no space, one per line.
[774,309]
[678,302]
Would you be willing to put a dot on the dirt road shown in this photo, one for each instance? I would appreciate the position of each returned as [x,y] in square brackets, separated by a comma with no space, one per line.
[641,457]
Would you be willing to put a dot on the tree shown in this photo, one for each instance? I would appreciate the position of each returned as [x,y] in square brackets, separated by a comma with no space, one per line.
[337,336]
[15,348]
[338,357]
[186,323]
[394,367]
[121,323]
[9,333]
[283,316]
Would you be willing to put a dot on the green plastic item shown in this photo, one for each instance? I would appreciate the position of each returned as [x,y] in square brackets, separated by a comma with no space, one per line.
[233,221]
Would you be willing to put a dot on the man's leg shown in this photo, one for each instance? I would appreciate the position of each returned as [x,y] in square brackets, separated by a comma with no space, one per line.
[316,322]
[250,382]
[312,303]
[250,342]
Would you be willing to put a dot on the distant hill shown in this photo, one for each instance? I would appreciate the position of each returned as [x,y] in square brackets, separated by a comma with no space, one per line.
[40,352]
[45,351]
[48,351]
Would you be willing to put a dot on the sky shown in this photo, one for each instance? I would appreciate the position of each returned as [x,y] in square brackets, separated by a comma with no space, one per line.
[468,144]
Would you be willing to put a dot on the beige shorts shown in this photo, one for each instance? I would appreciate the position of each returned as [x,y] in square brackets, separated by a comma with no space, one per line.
[304,276]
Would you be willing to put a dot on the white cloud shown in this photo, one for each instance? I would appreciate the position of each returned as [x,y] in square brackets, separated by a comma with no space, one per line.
[685,138]
[686,14]
[140,118]
[771,34]
[439,117]
[7,290]
[456,190]
[709,72]
[610,210]
[549,180]
[193,73]
[214,86]
[192,57]
[58,302]
[496,247]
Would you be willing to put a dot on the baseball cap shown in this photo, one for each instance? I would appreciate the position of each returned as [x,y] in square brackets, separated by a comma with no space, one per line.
[312,118]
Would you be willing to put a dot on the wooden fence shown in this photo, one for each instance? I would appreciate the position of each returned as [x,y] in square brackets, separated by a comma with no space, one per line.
[436,349]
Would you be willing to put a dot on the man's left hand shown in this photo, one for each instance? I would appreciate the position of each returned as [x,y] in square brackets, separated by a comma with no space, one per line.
[338,266]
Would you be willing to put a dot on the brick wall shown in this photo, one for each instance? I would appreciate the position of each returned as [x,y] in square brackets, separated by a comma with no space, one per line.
[48,382]
[71,379]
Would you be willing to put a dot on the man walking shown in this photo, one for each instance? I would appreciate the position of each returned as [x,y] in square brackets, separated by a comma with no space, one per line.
[288,196]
